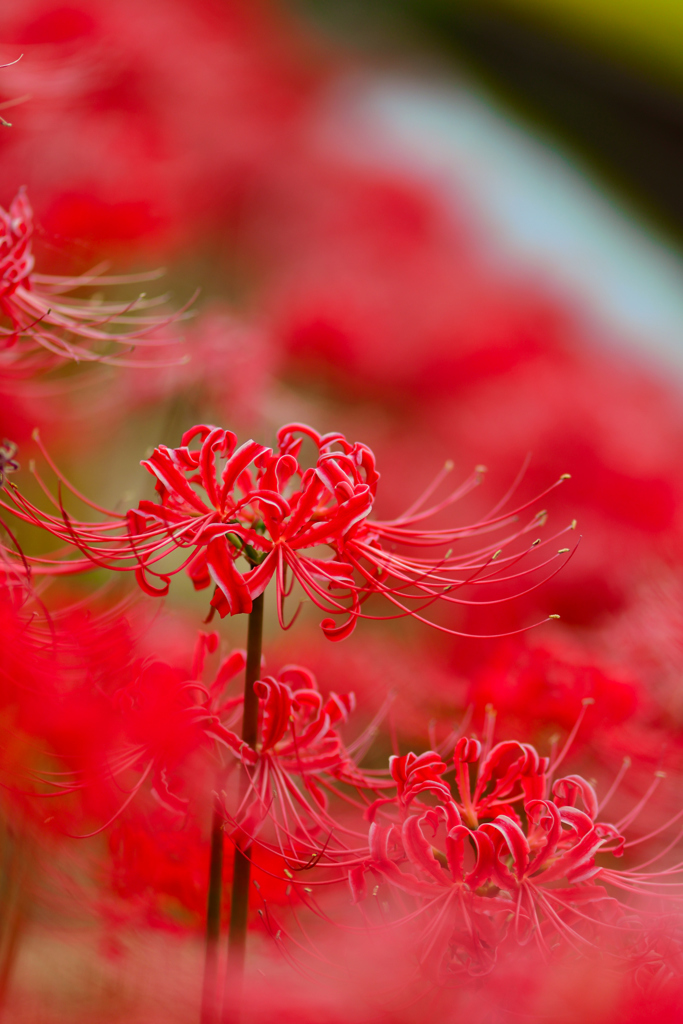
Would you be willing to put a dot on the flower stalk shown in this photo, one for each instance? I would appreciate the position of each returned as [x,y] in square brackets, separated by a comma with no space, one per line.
[239,903]
[213,918]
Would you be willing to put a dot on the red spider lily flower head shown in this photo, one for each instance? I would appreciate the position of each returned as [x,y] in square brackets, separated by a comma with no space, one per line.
[225,502]
[165,731]
[300,760]
[507,857]
[41,329]
[299,756]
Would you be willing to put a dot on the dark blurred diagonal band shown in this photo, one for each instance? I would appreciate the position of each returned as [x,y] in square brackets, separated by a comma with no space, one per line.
[610,86]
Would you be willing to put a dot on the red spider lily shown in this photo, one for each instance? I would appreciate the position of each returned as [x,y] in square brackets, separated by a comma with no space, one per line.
[165,718]
[509,857]
[299,757]
[41,329]
[298,760]
[224,502]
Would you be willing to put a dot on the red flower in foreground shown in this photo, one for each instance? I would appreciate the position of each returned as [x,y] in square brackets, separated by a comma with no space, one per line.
[160,719]
[225,503]
[40,328]
[507,857]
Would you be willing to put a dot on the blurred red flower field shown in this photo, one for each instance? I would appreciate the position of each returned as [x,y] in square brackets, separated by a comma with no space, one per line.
[469,804]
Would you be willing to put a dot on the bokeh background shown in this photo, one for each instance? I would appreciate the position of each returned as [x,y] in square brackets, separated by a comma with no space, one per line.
[451,229]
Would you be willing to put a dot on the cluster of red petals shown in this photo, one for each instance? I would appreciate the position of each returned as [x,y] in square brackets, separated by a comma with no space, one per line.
[299,756]
[299,761]
[226,502]
[160,718]
[39,329]
[506,856]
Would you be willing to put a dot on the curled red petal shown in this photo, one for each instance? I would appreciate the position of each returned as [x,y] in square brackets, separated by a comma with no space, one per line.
[145,585]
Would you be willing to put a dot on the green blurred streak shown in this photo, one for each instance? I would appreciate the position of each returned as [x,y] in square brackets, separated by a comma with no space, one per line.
[649,32]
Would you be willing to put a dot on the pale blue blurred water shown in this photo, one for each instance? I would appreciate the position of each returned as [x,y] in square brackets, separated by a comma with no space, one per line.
[541,212]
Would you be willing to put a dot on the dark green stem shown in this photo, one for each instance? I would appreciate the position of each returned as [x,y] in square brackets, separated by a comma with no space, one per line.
[213,918]
[239,905]
[253,672]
